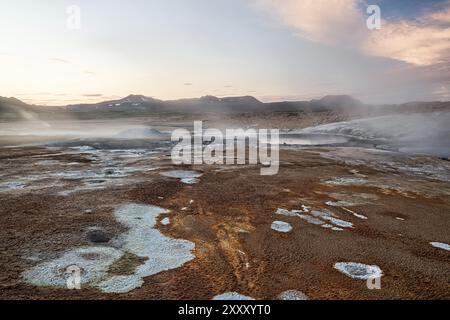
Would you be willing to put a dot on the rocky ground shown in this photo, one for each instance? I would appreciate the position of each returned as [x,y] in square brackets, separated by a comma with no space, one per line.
[209,230]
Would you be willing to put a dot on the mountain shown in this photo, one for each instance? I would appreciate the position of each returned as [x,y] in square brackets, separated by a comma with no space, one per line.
[139,103]
[342,102]
[338,104]
[11,108]
[15,109]
[214,104]
[129,103]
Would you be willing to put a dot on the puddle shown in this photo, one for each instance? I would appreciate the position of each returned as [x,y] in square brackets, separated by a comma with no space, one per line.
[281,226]
[163,253]
[358,270]
[292,295]
[440,245]
[232,296]
[188,177]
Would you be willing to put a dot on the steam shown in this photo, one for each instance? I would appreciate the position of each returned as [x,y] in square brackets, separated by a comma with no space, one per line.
[31,116]
[416,133]
[75,129]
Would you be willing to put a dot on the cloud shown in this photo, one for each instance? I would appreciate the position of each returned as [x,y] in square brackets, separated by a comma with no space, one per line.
[422,41]
[442,92]
[442,15]
[59,60]
[328,21]
[92,95]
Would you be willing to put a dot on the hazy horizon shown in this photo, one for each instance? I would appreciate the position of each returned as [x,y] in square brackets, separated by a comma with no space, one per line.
[187,98]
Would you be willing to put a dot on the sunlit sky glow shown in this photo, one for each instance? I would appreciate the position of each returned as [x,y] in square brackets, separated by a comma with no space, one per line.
[271,49]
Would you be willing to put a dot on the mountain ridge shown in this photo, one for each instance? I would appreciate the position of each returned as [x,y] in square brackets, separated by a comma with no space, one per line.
[210,103]
[139,104]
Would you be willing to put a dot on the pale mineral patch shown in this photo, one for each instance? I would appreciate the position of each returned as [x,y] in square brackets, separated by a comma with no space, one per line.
[311,220]
[188,177]
[165,221]
[142,239]
[292,295]
[358,270]
[357,215]
[346,181]
[13,185]
[281,226]
[441,245]
[232,296]
[316,217]
[287,213]
[93,262]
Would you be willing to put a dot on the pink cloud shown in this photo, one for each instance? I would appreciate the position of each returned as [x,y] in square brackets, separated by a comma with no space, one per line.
[422,42]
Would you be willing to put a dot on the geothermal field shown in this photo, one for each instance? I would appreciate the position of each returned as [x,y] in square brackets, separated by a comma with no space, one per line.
[356,201]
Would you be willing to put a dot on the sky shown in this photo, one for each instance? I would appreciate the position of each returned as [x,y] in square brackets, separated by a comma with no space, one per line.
[271,49]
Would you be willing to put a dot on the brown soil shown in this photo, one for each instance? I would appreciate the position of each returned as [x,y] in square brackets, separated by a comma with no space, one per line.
[229,222]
